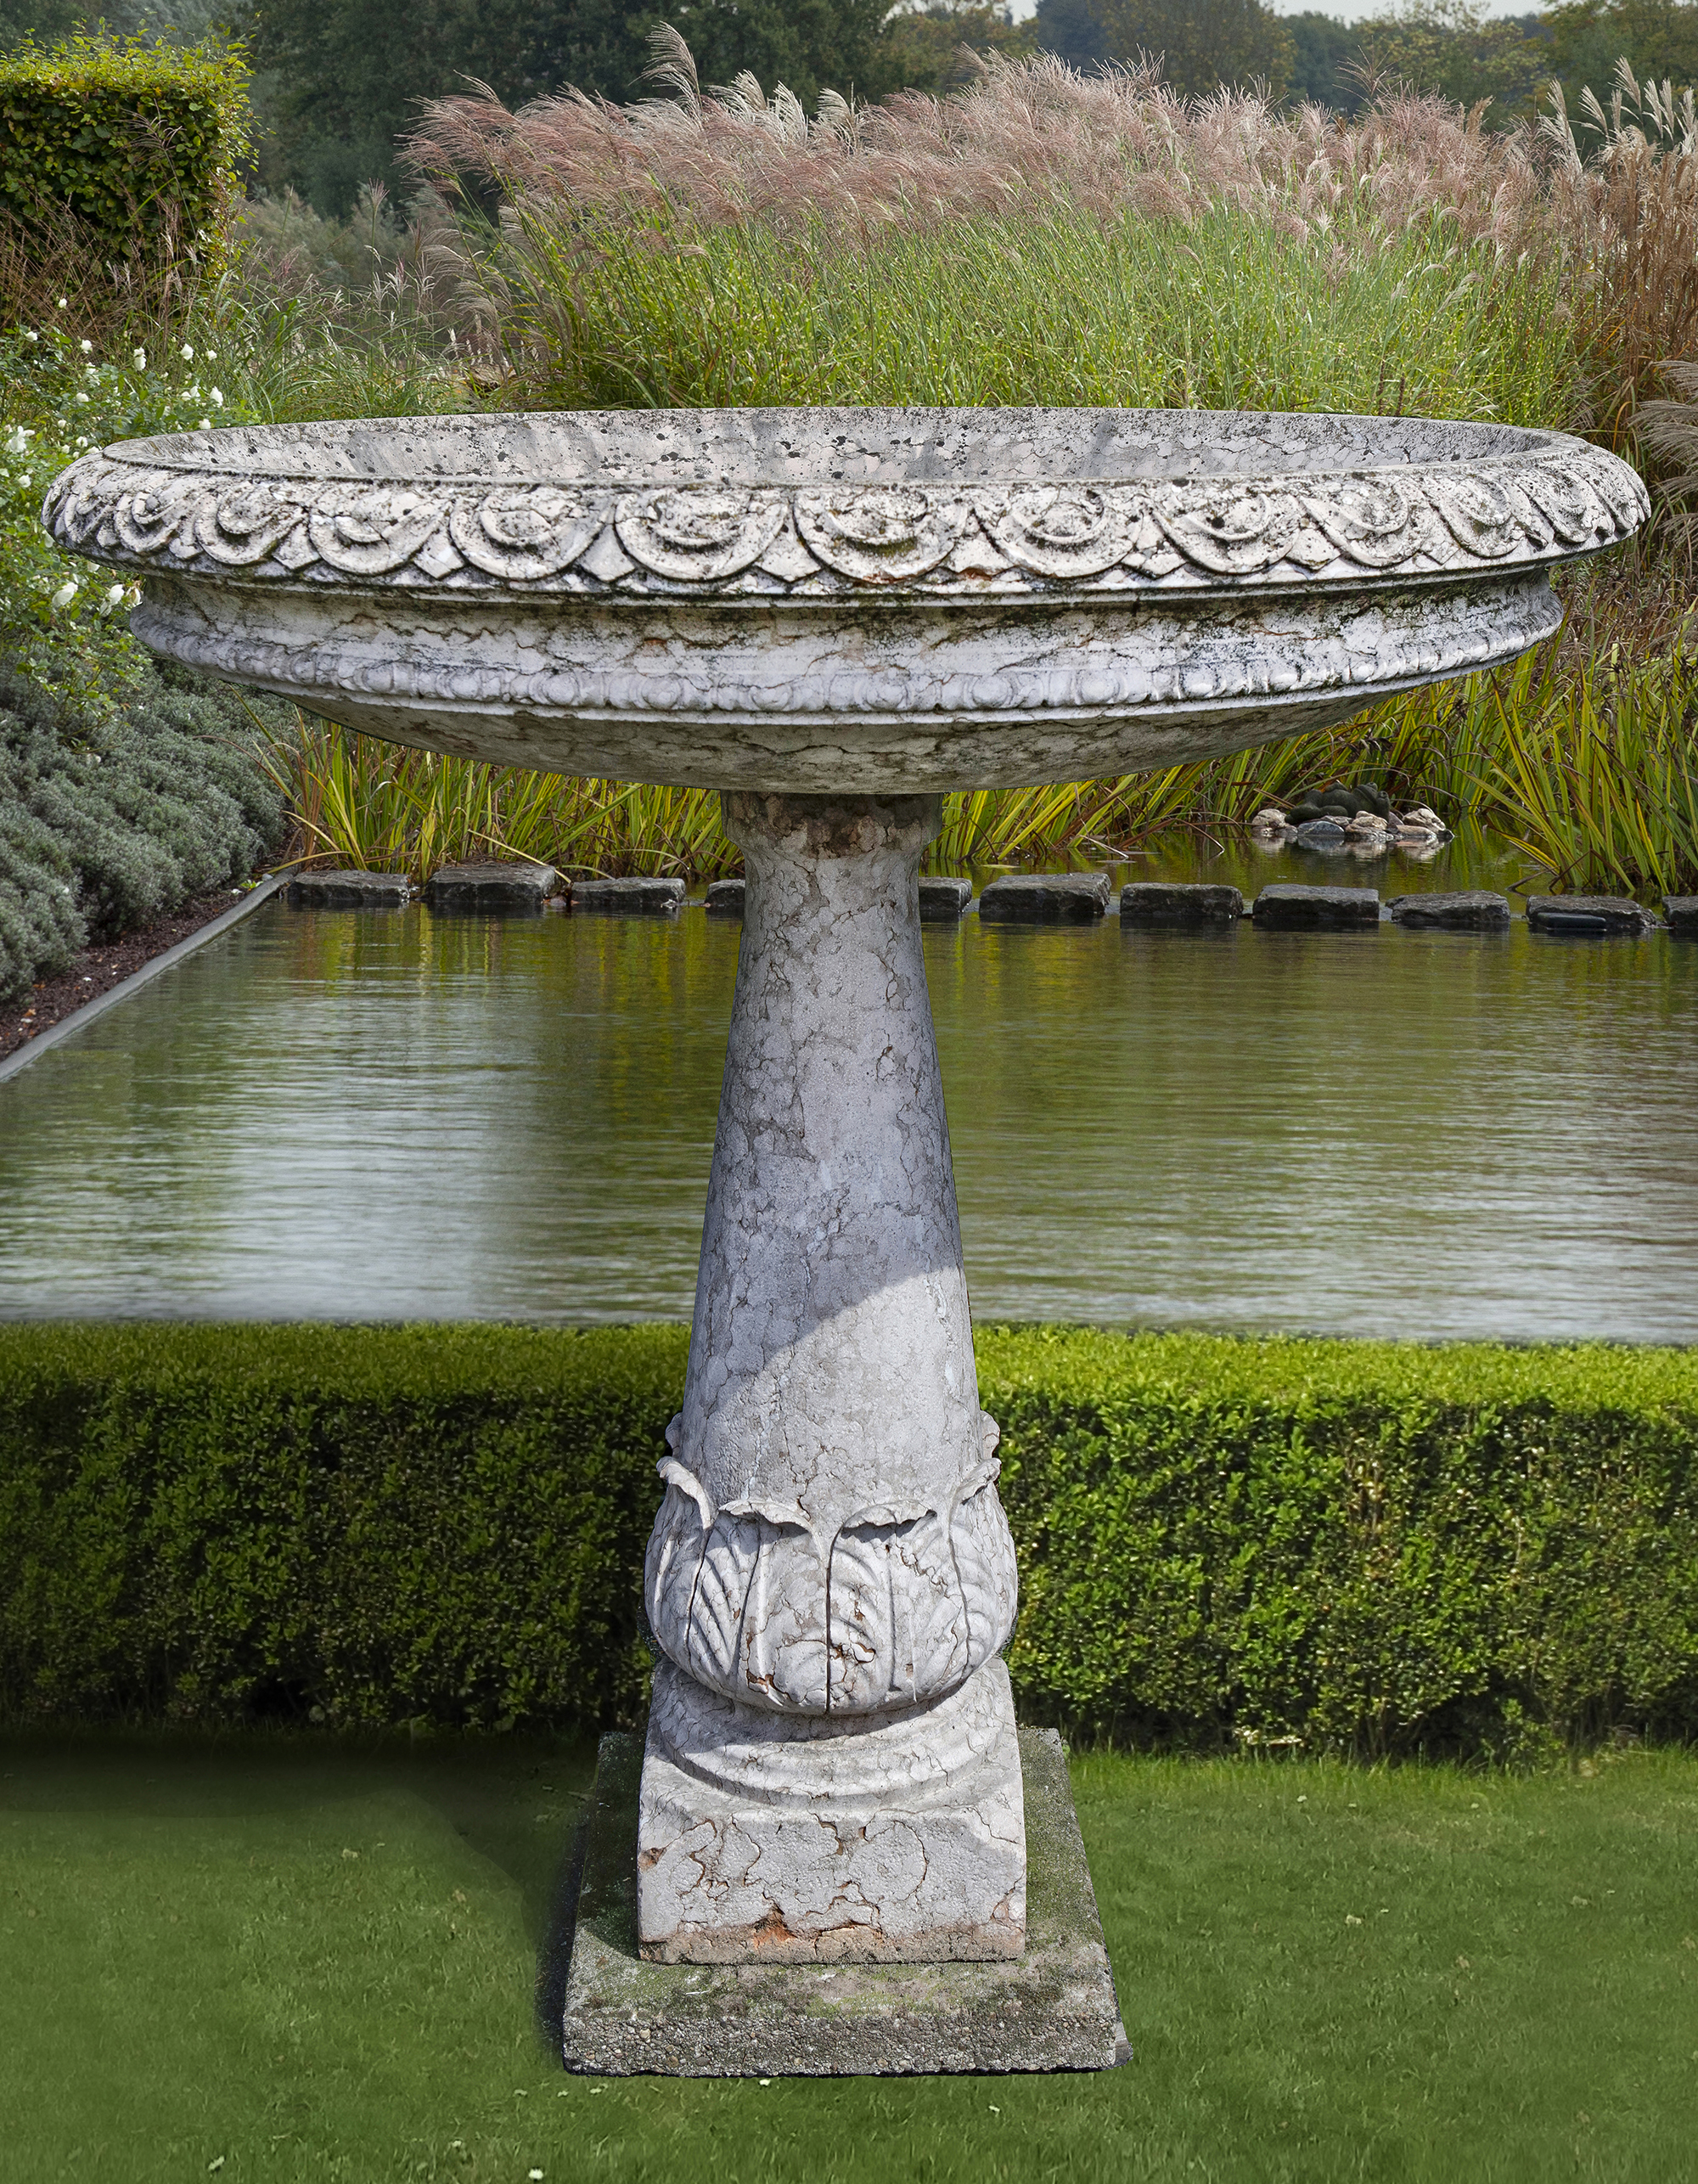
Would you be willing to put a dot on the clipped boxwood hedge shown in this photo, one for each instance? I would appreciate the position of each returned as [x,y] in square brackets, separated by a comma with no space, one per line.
[1371,1547]
[135,140]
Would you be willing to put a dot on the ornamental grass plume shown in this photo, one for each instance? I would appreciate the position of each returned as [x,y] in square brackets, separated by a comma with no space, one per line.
[1582,239]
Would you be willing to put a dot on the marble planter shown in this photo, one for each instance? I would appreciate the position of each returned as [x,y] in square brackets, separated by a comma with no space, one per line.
[834,617]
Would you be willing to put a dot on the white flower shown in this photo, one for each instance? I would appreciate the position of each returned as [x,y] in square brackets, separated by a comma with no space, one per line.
[65,303]
[188,354]
[18,444]
[211,356]
[63,596]
[217,399]
[115,595]
[30,335]
[87,348]
[139,358]
[205,425]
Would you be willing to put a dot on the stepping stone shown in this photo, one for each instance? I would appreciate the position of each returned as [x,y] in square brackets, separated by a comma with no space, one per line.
[946,898]
[1045,898]
[1682,913]
[1472,909]
[1165,902]
[501,888]
[1285,908]
[348,891]
[641,898]
[1588,915]
[725,898]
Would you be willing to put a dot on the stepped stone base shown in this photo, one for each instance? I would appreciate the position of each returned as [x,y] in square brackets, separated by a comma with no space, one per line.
[1051,2008]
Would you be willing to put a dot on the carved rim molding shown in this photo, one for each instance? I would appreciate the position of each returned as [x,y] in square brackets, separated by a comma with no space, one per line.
[163,508]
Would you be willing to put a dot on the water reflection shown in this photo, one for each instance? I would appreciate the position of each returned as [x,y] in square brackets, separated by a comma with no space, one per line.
[358,1115]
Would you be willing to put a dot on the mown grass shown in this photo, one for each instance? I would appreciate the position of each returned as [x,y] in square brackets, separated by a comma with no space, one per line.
[302,1961]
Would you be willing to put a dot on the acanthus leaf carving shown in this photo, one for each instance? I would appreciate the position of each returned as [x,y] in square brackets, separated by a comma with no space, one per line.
[897,1605]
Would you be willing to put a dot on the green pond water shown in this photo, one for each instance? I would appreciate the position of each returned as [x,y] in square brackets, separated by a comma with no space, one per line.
[384,1115]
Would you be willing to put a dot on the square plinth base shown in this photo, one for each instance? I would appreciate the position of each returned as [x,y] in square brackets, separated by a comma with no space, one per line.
[1051,2008]
[762,1839]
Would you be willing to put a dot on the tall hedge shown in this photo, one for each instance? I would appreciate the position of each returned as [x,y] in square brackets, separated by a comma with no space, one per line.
[137,141]
[1369,1547]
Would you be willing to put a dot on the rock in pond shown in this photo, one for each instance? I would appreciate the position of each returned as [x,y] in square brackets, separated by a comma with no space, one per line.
[725,897]
[1285,907]
[1682,913]
[1471,909]
[1168,902]
[643,897]
[1045,898]
[348,891]
[945,896]
[1586,916]
[492,888]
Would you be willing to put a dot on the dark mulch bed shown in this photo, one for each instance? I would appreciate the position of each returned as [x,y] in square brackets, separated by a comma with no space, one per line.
[97,970]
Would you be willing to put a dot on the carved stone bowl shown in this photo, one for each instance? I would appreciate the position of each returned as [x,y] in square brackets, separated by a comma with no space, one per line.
[830,600]
[833,616]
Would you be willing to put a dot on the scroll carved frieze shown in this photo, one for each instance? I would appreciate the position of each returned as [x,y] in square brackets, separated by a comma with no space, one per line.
[931,541]
[890,1607]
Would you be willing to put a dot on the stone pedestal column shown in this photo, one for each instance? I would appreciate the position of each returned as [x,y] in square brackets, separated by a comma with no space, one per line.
[831,1771]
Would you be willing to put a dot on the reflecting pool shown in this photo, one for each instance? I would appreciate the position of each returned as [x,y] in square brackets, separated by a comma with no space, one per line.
[383,1115]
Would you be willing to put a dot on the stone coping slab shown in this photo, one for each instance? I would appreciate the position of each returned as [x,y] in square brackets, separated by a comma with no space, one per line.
[1173,903]
[1467,909]
[725,897]
[640,897]
[1046,898]
[1682,913]
[1052,2008]
[1588,914]
[491,886]
[1290,908]
[945,896]
[348,889]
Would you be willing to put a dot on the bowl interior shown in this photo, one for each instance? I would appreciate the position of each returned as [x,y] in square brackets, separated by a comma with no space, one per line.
[825,448]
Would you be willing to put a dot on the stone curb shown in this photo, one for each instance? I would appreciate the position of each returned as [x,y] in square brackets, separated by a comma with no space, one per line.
[151,969]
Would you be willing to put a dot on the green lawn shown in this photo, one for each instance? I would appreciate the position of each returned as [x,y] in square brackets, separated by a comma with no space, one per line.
[302,1960]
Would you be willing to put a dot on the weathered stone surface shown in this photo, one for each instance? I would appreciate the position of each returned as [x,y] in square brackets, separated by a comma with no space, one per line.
[831,1545]
[1165,902]
[1321,834]
[894,1838]
[835,615]
[494,888]
[947,599]
[1051,2008]
[725,898]
[1045,898]
[1682,913]
[641,896]
[944,897]
[831,1427]
[1285,907]
[348,891]
[1588,915]
[1469,909]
